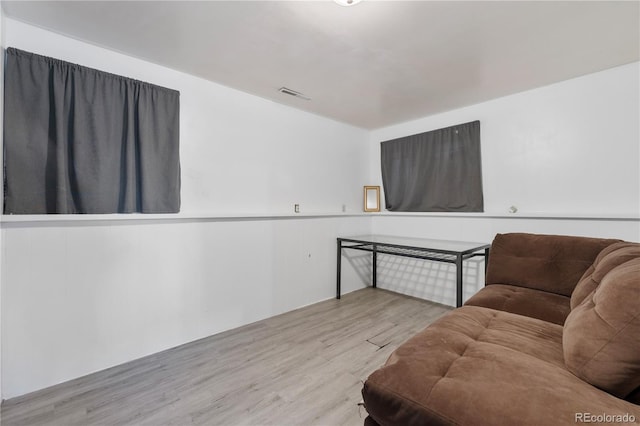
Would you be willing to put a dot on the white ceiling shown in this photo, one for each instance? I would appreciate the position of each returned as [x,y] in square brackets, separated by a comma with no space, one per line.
[370,65]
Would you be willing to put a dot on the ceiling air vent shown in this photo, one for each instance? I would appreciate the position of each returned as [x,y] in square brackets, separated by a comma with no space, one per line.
[290,92]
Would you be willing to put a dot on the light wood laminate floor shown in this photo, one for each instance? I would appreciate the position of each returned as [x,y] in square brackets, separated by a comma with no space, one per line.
[304,367]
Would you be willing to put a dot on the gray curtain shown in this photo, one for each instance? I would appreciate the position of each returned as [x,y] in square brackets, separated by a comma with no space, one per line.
[437,171]
[78,140]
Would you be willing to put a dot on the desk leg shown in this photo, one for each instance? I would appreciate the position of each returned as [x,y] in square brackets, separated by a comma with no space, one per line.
[339,269]
[458,280]
[374,267]
[486,262]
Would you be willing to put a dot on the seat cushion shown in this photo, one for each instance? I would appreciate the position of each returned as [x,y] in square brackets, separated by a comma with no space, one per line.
[480,366]
[523,301]
[602,335]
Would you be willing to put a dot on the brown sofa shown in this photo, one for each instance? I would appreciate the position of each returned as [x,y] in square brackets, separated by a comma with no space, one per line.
[553,338]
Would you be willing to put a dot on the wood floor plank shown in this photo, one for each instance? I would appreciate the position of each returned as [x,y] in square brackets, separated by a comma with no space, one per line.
[304,367]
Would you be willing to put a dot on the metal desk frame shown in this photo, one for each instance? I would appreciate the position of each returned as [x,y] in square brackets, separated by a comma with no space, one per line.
[375,246]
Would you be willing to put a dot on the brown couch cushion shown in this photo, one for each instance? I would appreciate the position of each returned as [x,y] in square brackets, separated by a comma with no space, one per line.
[612,256]
[545,262]
[523,301]
[479,366]
[601,337]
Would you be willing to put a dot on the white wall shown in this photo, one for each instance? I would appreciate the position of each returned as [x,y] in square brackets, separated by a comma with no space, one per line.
[83,296]
[79,298]
[1,186]
[568,148]
[559,153]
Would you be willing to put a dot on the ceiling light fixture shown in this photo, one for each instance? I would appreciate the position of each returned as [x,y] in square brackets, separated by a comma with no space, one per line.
[347,2]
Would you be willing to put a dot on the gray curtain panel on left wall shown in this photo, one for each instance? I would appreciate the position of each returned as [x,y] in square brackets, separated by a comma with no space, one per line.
[79,140]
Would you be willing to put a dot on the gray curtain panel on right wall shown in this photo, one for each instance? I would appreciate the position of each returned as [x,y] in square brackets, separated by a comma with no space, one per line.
[436,171]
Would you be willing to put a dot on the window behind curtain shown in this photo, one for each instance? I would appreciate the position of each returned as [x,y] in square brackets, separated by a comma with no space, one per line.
[437,171]
[79,140]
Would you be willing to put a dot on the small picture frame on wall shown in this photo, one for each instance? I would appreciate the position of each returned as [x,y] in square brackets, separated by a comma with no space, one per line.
[371,198]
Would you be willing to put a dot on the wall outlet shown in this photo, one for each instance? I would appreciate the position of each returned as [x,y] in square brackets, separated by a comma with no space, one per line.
[296,208]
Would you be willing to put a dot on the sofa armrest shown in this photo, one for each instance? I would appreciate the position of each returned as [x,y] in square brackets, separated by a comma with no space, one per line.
[551,263]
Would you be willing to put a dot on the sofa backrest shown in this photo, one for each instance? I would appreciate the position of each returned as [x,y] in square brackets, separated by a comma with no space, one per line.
[552,263]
